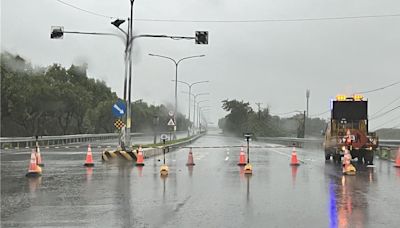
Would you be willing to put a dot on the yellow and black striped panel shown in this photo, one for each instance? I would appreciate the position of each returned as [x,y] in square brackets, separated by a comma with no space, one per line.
[124,155]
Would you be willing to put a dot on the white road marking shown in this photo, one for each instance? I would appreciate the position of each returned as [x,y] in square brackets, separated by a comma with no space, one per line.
[227,158]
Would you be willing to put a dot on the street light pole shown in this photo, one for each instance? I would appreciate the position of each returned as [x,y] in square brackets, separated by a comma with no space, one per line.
[176,62]
[198,111]
[194,105]
[190,94]
[201,115]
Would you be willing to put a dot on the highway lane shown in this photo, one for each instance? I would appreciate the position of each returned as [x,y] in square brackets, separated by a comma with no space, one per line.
[213,193]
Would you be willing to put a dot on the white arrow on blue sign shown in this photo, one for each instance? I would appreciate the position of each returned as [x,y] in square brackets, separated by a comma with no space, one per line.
[119,109]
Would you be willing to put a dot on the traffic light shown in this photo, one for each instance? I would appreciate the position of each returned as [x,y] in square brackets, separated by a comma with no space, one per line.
[57,32]
[201,37]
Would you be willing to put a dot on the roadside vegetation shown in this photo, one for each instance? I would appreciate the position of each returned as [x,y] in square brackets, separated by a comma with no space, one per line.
[54,100]
[242,118]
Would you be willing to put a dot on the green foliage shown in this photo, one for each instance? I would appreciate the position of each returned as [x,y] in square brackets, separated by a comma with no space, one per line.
[242,118]
[59,101]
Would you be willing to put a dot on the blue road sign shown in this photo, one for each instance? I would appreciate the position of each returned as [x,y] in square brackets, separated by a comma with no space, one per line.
[119,108]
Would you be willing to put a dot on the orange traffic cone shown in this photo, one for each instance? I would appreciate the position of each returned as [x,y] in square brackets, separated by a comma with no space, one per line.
[89,158]
[294,161]
[348,168]
[190,158]
[139,160]
[34,170]
[242,157]
[397,164]
[38,157]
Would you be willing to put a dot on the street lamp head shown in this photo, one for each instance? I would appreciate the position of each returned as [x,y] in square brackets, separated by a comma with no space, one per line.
[117,22]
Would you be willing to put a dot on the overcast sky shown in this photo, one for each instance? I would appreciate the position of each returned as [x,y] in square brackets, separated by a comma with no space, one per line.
[271,62]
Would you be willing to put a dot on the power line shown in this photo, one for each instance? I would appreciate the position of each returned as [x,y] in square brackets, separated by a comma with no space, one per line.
[381,88]
[380,110]
[387,112]
[320,114]
[271,20]
[285,113]
[381,125]
[86,11]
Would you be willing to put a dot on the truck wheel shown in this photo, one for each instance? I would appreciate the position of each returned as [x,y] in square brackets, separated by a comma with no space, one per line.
[361,158]
[369,157]
[336,158]
[327,157]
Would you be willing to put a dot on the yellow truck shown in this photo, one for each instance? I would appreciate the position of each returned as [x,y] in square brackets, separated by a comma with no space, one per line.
[348,128]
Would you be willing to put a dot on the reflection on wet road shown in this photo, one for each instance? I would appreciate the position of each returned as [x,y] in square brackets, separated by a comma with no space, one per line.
[213,193]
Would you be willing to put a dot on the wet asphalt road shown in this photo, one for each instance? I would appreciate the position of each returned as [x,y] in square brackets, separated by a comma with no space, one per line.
[213,193]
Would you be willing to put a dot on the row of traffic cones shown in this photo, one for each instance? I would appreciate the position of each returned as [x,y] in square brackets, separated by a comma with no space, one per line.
[36,161]
[293,161]
[35,164]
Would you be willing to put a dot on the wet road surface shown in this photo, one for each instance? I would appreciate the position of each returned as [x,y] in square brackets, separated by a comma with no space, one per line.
[213,193]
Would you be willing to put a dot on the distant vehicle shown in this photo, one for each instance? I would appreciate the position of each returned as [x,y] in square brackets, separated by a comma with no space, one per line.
[348,128]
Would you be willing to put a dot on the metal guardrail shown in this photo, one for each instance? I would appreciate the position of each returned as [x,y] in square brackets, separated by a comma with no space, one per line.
[16,142]
[382,142]
[58,139]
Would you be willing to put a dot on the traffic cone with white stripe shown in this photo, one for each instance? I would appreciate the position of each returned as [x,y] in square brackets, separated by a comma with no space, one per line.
[242,157]
[34,170]
[139,158]
[397,162]
[190,158]
[89,157]
[348,168]
[293,160]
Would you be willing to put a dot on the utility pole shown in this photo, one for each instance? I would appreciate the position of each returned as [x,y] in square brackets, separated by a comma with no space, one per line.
[259,110]
[304,125]
[308,98]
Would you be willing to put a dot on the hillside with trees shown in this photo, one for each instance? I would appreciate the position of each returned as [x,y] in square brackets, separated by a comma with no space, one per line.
[54,100]
[242,118]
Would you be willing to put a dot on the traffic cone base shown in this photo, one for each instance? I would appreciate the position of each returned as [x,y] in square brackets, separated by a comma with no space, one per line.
[164,170]
[248,169]
[34,174]
[89,164]
[349,170]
